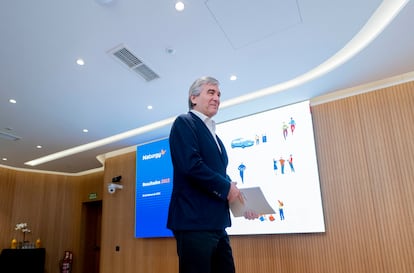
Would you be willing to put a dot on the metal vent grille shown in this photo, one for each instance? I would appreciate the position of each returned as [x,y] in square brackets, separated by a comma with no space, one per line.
[9,136]
[146,72]
[134,63]
[125,56]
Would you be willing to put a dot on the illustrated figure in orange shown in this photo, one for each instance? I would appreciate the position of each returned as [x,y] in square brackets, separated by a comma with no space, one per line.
[282,165]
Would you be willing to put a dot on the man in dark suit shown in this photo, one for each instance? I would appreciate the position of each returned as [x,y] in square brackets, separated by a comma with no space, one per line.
[202,190]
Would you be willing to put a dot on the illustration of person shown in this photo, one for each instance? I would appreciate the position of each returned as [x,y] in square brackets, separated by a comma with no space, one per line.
[285,128]
[281,213]
[241,168]
[291,163]
[282,165]
[275,165]
[257,139]
[264,138]
[292,125]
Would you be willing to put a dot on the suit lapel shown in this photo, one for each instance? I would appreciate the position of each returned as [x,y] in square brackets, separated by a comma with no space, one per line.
[223,151]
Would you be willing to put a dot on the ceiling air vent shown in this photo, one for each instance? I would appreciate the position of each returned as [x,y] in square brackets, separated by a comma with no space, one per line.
[121,53]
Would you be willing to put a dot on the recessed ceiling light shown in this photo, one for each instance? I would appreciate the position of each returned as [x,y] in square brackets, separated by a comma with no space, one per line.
[12,101]
[80,62]
[39,146]
[85,130]
[233,77]
[179,6]
[149,107]
[4,159]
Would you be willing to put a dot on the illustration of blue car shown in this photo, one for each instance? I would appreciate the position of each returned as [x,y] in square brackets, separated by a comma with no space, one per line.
[242,143]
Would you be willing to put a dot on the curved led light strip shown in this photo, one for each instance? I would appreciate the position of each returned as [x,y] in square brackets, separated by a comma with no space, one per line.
[384,14]
[102,142]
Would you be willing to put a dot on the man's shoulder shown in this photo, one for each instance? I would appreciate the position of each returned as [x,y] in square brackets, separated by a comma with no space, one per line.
[188,117]
[185,124]
[185,116]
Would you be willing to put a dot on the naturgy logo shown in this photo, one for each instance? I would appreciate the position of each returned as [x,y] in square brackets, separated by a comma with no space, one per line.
[155,155]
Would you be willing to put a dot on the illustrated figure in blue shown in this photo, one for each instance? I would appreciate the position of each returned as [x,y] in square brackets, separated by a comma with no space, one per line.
[241,168]
[275,165]
[292,125]
[264,138]
[281,214]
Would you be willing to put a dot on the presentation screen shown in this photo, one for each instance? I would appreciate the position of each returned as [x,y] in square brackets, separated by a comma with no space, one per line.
[274,152]
[271,157]
[153,189]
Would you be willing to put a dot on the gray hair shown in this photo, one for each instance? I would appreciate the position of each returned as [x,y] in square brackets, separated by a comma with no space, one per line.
[195,88]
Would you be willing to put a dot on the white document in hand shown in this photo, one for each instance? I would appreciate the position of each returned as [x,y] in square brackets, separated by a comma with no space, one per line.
[253,200]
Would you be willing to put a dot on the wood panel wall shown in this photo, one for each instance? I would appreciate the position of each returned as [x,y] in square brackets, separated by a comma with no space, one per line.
[51,204]
[365,147]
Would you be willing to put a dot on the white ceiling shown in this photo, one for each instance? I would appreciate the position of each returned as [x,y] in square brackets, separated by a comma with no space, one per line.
[264,45]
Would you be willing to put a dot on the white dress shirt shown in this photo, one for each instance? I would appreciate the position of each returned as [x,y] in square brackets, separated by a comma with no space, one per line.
[210,123]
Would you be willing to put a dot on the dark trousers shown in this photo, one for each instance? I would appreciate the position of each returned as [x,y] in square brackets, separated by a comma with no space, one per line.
[204,252]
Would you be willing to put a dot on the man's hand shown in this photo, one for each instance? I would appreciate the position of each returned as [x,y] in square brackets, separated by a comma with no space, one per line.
[234,193]
[250,214]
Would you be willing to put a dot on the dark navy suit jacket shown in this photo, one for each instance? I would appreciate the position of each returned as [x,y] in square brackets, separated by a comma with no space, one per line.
[200,183]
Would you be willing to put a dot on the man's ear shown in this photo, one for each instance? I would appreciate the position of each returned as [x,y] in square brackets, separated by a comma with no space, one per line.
[193,99]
